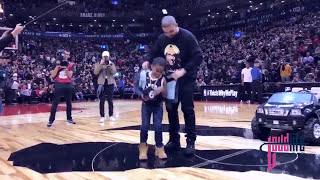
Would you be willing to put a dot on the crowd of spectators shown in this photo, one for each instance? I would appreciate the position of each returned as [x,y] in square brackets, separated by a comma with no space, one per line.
[30,68]
[120,5]
[288,50]
[19,11]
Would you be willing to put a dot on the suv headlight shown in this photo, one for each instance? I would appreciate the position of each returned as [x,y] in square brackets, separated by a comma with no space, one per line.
[260,110]
[295,112]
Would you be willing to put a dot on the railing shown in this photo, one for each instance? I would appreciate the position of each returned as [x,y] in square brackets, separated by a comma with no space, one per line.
[234,92]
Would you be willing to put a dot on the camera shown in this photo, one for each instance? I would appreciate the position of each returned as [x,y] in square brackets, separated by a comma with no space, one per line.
[64,63]
[106,62]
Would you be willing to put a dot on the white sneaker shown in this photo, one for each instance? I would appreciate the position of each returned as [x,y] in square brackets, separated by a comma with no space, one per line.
[112,118]
[102,119]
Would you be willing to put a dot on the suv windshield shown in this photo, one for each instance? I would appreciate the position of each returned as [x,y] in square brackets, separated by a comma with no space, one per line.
[289,98]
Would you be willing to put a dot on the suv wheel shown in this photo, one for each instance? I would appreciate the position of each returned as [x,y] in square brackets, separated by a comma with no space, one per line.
[311,130]
[259,132]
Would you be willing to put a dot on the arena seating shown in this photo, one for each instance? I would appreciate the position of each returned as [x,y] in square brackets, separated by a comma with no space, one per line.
[293,39]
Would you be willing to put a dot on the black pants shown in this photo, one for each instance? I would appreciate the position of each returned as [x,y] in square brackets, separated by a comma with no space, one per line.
[61,91]
[25,99]
[10,95]
[185,96]
[50,96]
[246,91]
[108,91]
[121,92]
[256,87]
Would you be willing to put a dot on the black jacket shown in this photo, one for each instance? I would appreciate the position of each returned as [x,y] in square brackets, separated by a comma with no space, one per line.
[183,49]
[5,41]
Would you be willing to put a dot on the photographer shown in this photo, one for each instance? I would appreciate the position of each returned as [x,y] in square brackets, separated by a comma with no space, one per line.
[62,75]
[105,70]
[310,77]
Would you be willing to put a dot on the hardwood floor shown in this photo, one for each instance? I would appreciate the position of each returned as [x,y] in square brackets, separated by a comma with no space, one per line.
[90,150]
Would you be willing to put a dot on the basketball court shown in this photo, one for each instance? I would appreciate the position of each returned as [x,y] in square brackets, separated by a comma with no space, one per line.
[225,148]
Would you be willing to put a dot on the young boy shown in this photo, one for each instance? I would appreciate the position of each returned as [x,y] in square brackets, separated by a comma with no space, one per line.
[151,87]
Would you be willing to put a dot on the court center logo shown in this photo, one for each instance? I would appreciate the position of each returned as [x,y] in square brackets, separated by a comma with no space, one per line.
[291,142]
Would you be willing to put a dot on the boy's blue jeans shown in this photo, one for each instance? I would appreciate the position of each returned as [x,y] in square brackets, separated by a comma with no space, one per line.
[146,111]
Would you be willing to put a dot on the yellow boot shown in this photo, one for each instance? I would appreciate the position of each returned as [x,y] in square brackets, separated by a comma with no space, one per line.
[160,153]
[143,149]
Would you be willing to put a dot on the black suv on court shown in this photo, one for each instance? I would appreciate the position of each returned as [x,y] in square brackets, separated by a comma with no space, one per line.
[295,111]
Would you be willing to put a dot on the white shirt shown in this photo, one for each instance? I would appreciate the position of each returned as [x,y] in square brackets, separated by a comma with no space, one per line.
[94,59]
[136,69]
[308,59]
[53,60]
[26,92]
[15,85]
[247,77]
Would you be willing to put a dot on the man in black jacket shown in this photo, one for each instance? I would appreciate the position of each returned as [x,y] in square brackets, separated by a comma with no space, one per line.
[184,56]
[5,39]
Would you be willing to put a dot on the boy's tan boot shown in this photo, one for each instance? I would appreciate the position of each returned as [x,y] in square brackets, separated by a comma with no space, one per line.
[143,149]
